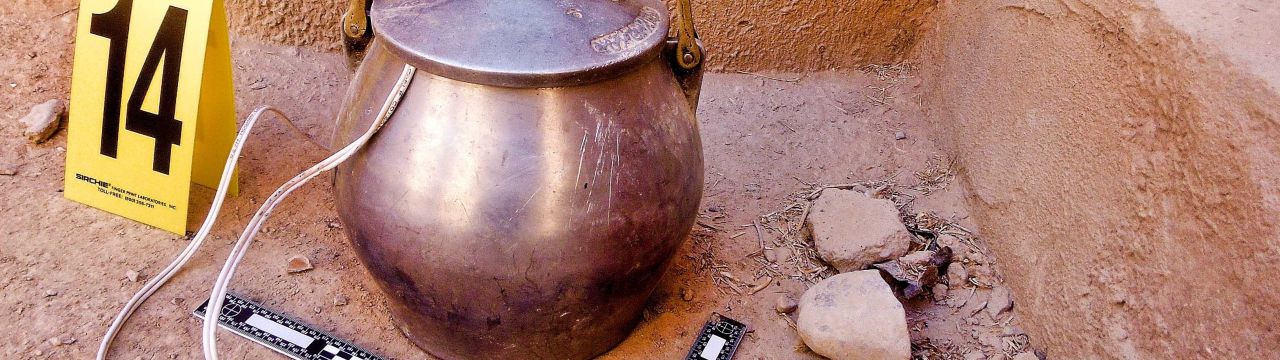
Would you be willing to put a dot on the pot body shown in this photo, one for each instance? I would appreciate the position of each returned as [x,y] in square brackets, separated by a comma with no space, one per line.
[519,223]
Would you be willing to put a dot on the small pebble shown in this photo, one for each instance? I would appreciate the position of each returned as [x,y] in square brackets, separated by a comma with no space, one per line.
[298,264]
[333,224]
[770,255]
[50,293]
[317,309]
[939,292]
[786,304]
[1012,331]
[37,353]
[340,300]
[1026,356]
[44,120]
[131,275]
[900,135]
[957,276]
[686,294]
[8,169]
[176,301]
[999,301]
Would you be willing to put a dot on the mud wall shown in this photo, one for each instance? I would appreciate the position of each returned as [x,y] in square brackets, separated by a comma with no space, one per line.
[1126,176]
[793,35]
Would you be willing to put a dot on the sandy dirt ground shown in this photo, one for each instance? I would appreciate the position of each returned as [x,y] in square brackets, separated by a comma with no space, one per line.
[766,137]
[1142,211]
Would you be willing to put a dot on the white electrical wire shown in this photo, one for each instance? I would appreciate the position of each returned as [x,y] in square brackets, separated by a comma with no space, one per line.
[246,238]
[163,277]
[219,292]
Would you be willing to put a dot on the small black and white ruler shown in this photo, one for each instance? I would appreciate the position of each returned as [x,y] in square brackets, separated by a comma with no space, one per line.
[281,333]
[718,340]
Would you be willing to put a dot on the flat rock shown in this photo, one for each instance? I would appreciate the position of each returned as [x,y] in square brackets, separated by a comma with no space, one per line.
[916,271]
[852,231]
[940,293]
[44,120]
[957,276]
[7,169]
[854,315]
[999,301]
[298,264]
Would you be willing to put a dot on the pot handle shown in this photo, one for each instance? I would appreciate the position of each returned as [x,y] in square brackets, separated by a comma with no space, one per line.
[686,51]
[686,54]
[356,31]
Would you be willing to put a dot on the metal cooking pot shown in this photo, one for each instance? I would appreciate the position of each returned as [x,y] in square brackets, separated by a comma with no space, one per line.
[536,180]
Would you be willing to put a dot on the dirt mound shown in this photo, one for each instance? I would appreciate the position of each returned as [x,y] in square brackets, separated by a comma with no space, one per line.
[308,23]
[1124,174]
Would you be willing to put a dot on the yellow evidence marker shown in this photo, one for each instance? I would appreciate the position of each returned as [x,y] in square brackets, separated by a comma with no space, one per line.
[152,107]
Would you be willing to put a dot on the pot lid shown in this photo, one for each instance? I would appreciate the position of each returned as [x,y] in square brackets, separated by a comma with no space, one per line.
[523,43]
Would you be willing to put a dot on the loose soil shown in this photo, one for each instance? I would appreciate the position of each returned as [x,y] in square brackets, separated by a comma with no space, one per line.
[1122,156]
[771,140]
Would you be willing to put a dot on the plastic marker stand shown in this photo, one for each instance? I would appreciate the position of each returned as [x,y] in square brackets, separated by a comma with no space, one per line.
[152,107]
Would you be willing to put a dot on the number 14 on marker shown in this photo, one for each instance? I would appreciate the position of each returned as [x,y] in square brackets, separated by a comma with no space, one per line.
[152,106]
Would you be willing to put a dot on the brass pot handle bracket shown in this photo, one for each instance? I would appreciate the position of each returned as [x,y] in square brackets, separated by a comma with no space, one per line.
[689,53]
[686,54]
[356,30]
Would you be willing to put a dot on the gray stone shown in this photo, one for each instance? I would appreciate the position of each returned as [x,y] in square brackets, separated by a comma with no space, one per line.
[957,276]
[940,293]
[854,316]
[999,301]
[852,231]
[44,120]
